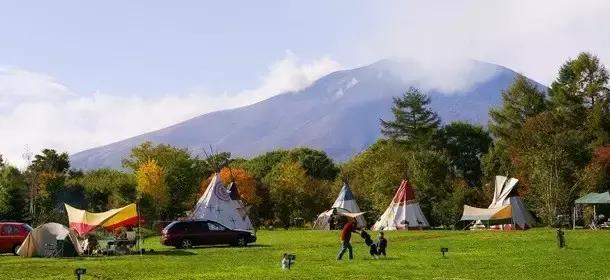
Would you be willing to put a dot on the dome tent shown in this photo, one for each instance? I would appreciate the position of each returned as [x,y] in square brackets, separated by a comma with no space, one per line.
[51,239]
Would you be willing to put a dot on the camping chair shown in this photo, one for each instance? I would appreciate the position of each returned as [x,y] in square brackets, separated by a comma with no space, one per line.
[50,250]
[54,249]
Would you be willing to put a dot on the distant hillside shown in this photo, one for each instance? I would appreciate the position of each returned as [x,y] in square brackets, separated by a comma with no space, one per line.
[339,114]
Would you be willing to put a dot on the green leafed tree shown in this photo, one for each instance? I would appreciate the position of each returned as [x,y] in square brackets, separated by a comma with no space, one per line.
[316,163]
[103,189]
[414,122]
[13,194]
[551,158]
[182,172]
[51,161]
[295,194]
[465,145]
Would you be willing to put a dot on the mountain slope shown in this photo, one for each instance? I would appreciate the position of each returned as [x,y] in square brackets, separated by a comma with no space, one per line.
[339,114]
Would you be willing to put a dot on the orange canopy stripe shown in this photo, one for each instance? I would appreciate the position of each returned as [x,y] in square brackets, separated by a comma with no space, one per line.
[84,222]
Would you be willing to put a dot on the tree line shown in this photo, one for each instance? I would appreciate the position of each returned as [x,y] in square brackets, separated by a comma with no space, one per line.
[555,140]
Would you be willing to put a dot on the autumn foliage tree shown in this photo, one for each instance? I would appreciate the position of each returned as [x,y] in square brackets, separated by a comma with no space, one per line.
[296,194]
[152,189]
[246,184]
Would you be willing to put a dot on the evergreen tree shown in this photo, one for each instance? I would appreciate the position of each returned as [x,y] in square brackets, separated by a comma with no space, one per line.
[414,122]
[519,102]
[581,97]
[582,83]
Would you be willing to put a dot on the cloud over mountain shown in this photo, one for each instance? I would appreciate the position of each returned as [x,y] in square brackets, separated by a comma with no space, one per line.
[38,111]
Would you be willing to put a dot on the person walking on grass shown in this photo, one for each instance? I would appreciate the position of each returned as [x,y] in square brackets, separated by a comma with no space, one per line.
[346,236]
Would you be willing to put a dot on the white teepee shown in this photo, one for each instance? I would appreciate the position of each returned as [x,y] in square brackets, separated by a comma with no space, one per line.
[403,213]
[505,206]
[345,205]
[216,205]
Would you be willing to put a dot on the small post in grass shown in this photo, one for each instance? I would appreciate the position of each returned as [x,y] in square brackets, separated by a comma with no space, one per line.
[79,271]
[444,250]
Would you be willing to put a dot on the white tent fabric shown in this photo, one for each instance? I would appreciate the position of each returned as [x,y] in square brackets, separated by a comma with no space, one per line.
[518,214]
[403,212]
[497,213]
[344,205]
[42,239]
[216,205]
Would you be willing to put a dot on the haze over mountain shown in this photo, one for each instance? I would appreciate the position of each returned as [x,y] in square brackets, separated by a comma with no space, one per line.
[339,113]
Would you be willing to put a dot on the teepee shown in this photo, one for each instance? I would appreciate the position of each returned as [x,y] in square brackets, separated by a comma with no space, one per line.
[219,205]
[506,211]
[404,211]
[345,205]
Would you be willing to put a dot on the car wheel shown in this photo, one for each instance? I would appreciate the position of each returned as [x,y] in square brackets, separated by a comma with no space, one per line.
[186,244]
[15,249]
[241,242]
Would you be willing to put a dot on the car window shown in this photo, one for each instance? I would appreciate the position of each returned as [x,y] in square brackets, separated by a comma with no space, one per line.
[179,227]
[215,227]
[201,226]
[9,230]
[28,228]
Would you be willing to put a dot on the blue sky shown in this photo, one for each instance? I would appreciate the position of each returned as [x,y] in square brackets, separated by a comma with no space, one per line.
[79,74]
[156,47]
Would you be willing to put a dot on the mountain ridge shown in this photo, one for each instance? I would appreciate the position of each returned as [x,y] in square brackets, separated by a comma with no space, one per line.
[338,113]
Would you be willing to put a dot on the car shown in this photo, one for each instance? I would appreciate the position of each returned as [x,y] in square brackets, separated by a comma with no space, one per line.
[12,235]
[186,234]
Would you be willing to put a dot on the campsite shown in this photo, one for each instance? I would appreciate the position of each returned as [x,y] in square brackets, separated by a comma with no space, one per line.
[413,255]
[305,139]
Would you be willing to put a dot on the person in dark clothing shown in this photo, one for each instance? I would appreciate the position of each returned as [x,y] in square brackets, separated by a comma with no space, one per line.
[382,244]
[369,242]
[346,236]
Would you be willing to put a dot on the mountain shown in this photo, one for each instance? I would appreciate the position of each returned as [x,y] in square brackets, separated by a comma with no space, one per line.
[339,113]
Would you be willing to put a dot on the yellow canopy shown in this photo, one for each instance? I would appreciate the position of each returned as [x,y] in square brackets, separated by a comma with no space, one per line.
[84,222]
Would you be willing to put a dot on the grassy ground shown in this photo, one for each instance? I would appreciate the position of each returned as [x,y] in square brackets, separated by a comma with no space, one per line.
[531,254]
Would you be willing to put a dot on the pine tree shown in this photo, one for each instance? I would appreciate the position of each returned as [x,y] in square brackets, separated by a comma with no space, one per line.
[581,96]
[414,122]
[519,102]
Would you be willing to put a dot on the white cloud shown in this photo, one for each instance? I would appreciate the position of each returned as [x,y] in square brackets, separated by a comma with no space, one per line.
[40,112]
[532,37]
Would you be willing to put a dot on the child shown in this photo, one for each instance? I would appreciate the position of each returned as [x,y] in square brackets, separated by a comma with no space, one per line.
[382,244]
[369,242]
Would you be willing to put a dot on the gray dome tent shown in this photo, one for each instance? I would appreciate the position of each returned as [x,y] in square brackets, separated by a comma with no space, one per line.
[50,240]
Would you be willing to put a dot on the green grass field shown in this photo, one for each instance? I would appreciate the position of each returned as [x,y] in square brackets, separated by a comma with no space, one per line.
[530,254]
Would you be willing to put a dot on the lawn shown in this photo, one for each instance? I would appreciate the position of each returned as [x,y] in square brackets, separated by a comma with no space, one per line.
[529,254]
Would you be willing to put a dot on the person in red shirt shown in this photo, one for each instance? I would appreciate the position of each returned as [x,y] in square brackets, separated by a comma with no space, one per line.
[346,236]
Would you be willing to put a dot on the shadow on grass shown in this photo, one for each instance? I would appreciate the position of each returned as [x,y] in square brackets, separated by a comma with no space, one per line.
[381,259]
[228,246]
[170,253]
